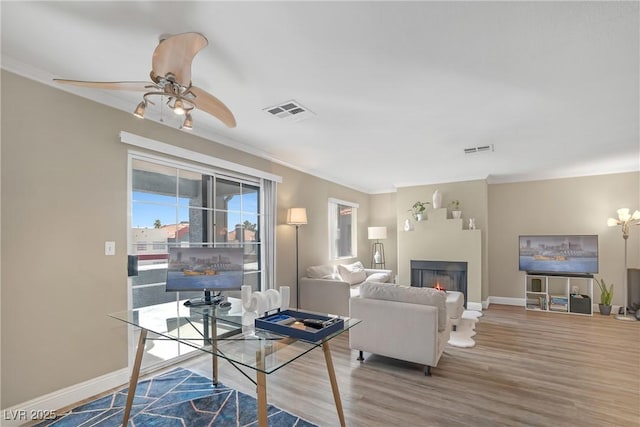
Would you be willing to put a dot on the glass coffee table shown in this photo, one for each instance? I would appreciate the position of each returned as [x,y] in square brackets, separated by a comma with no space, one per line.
[229,334]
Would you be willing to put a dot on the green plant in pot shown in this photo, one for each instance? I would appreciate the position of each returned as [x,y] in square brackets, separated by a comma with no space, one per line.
[418,209]
[455,209]
[606,295]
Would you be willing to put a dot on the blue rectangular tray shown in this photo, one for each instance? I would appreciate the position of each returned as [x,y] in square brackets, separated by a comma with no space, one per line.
[281,324]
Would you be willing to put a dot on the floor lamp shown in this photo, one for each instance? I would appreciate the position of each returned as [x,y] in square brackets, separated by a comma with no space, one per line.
[625,220]
[297,217]
[377,250]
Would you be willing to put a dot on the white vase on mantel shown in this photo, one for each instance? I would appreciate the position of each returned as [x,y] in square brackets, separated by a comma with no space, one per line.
[437,199]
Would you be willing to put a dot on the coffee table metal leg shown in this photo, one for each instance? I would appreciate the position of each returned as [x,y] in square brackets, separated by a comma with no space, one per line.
[135,374]
[334,384]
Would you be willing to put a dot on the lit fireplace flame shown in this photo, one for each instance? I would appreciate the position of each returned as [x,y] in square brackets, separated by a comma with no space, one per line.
[438,287]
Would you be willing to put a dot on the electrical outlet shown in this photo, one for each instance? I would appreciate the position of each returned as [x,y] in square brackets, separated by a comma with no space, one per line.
[109,248]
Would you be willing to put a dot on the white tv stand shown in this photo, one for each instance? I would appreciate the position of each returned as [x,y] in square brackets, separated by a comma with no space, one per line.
[556,294]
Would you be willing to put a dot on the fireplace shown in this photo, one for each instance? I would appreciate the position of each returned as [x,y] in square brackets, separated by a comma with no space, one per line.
[450,275]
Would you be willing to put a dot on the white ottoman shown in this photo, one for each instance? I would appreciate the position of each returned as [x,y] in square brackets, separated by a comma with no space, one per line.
[455,307]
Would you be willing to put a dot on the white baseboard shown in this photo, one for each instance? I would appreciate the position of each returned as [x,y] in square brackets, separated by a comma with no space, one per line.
[505,301]
[477,306]
[47,405]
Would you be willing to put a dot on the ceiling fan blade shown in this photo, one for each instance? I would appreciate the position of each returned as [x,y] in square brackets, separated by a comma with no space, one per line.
[210,104]
[175,54]
[135,86]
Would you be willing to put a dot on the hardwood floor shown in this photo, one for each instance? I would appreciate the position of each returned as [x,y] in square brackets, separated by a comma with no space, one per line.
[527,369]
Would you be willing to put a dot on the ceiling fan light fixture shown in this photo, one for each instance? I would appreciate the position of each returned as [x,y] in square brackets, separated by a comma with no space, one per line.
[188,122]
[178,107]
[170,81]
[139,111]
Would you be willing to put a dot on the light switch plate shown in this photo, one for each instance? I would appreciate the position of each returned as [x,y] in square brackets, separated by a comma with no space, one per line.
[109,248]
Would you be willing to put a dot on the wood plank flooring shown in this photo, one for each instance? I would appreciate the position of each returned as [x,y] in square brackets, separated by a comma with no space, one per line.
[527,369]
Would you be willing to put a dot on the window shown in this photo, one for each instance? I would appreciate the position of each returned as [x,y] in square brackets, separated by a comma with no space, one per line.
[343,235]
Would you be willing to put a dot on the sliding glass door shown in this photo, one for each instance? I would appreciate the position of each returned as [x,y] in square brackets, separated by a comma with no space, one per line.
[175,206]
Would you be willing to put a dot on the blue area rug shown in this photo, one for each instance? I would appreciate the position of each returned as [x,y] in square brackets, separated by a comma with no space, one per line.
[176,398]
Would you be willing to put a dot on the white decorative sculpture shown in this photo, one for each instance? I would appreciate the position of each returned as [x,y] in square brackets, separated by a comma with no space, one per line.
[262,302]
[437,199]
[285,297]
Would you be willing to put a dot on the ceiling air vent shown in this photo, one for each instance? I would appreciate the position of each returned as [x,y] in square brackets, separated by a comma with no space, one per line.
[478,149]
[289,110]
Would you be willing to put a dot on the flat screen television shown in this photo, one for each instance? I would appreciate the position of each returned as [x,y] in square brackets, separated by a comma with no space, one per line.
[205,269]
[560,255]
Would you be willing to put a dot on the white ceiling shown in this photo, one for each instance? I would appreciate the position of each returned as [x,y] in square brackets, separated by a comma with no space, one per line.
[399,89]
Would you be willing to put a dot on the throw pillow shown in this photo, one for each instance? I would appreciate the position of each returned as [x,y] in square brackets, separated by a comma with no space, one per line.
[379,277]
[321,272]
[412,295]
[352,273]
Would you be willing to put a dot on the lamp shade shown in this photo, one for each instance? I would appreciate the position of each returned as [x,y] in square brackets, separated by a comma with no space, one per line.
[623,214]
[297,216]
[376,233]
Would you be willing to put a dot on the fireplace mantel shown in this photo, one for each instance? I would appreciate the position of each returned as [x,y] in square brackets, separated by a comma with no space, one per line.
[443,239]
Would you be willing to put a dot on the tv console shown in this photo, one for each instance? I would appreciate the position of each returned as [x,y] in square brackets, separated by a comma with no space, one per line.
[571,294]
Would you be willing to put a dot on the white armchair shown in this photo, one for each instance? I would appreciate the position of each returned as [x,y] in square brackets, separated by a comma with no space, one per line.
[406,323]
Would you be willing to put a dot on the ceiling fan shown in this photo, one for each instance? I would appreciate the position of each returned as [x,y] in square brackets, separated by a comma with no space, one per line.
[171,79]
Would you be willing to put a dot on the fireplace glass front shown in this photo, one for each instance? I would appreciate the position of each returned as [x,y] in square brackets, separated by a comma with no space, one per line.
[448,275]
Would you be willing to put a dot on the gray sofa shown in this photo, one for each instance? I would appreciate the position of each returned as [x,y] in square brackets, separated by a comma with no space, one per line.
[327,288]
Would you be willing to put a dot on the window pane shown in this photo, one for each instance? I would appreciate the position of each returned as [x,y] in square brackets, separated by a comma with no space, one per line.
[151,295]
[141,196]
[253,280]
[250,199]
[146,215]
[227,195]
[191,187]
[222,227]
[195,221]
[250,228]
[251,257]
[154,179]
[342,231]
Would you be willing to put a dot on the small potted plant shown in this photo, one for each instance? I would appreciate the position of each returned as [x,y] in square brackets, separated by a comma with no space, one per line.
[606,295]
[455,209]
[418,209]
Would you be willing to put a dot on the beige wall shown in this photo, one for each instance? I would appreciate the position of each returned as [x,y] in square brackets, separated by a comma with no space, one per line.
[561,206]
[383,213]
[64,193]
